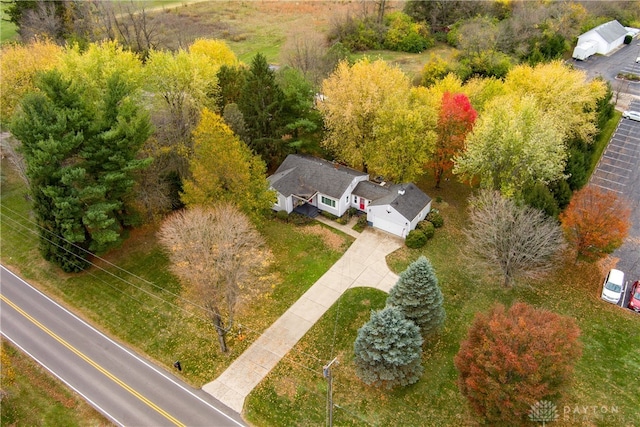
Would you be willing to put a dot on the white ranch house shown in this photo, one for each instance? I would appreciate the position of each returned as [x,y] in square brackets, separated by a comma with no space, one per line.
[307,184]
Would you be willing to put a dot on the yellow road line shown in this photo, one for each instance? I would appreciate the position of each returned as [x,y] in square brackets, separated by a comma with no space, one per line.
[92,363]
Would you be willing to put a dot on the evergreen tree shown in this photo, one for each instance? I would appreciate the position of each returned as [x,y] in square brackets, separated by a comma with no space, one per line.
[388,350]
[80,160]
[231,80]
[418,296]
[261,103]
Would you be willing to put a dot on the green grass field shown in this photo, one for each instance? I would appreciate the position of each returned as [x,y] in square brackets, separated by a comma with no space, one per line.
[7,29]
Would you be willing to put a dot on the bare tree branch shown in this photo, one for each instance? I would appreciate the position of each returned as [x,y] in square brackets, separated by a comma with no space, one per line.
[511,240]
[220,256]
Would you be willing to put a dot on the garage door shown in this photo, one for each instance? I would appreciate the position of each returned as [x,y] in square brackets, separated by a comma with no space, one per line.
[389,226]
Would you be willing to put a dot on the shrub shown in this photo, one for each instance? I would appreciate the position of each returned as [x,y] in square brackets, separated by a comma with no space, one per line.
[299,219]
[357,34]
[404,35]
[415,239]
[282,215]
[362,221]
[328,215]
[434,70]
[435,217]
[427,227]
[343,220]
[628,38]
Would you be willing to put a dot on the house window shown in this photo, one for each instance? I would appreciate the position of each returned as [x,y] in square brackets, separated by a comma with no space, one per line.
[329,202]
[355,199]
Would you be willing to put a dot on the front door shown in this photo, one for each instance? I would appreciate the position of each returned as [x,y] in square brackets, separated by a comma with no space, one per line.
[361,204]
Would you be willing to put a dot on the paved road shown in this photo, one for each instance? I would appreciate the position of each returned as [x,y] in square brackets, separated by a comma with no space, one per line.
[123,386]
[619,171]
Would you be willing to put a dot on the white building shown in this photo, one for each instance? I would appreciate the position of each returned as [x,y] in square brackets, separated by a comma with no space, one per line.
[603,39]
[308,184]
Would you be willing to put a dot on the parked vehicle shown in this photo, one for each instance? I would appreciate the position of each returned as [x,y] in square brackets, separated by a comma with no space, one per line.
[634,301]
[612,286]
[632,115]
[585,50]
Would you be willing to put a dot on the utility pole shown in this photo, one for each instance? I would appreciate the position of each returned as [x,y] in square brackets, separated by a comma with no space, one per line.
[326,372]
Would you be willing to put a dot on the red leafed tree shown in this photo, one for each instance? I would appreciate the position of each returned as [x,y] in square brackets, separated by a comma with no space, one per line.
[596,222]
[513,359]
[455,121]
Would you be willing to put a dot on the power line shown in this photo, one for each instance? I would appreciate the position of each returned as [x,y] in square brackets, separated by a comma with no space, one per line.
[182,309]
[288,357]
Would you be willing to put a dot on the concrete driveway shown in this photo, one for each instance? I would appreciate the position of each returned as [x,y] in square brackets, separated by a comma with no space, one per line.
[363,264]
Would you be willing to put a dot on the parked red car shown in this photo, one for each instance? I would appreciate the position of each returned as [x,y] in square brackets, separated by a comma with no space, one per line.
[634,301]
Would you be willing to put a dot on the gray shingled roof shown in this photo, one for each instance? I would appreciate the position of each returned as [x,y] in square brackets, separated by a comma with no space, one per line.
[304,175]
[611,31]
[370,190]
[408,204]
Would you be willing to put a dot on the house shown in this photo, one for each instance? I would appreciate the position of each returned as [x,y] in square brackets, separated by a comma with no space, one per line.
[308,184]
[602,39]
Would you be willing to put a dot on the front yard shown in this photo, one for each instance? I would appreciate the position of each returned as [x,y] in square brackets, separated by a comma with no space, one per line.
[132,296]
[295,391]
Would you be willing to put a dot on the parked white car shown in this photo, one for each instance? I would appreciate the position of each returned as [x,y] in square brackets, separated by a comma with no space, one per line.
[612,286]
[632,115]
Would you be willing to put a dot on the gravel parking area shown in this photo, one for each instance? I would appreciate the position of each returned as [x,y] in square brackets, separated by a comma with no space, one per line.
[619,171]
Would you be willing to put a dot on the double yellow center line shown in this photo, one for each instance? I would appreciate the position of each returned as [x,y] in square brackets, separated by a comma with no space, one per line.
[92,363]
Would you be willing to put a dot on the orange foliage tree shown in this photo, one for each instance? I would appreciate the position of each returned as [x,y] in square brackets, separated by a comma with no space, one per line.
[596,222]
[512,359]
[455,121]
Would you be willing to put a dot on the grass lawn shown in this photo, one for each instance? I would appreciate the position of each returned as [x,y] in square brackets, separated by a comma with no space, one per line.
[7,29]
[139,298]
[36,398]
[604,376]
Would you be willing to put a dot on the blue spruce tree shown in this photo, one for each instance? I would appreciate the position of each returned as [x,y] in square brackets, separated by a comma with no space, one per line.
[418,296]
[388,350]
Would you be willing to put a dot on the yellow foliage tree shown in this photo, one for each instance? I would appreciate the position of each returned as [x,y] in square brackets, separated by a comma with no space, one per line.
[216,50]
[223,168]
[92,67]
[561,92]
[19,65]
[355,97]
[513,144]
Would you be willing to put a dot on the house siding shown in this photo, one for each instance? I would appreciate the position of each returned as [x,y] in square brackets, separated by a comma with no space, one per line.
[604,46]
[388,219]
[422,215]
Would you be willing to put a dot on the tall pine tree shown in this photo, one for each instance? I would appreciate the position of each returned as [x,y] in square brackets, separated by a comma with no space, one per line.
[388,350]
[80,160]
[261,103]
[418,296]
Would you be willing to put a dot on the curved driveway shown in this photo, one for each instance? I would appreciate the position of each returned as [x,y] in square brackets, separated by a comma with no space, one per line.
[363,264]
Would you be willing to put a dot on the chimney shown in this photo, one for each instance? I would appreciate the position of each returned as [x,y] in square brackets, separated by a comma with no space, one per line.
[401,191]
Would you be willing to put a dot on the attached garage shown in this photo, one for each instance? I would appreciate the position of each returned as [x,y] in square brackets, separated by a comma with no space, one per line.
[388,226]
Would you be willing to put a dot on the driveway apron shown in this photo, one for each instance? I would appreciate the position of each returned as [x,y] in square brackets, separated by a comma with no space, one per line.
[363,264]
